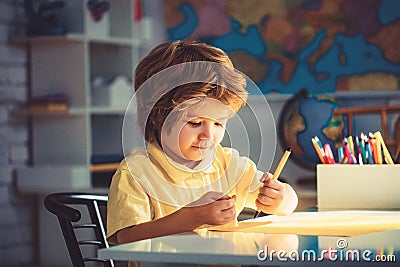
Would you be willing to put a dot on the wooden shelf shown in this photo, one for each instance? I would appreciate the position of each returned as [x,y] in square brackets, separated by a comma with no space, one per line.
[25,111]
[63,67]
[104,167]
[367,110]
[77,37]
[107,110]
[382,111]
[53,38]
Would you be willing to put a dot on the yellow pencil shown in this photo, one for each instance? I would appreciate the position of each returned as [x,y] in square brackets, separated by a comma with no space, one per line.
[388,158]
[281,164]
[378,149]
[278,170]
[351,144]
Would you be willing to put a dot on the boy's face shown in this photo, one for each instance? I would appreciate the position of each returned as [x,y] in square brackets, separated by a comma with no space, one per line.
[194,136]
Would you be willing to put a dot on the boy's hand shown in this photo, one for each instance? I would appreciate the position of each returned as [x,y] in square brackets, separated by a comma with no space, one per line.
[213,208]
[271,195]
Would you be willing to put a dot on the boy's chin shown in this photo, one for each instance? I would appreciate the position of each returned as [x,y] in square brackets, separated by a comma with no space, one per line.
[196,156]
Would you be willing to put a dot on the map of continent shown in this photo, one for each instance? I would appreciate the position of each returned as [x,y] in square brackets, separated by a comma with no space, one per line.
[284,46]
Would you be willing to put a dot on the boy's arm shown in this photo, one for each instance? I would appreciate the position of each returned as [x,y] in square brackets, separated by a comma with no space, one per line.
[218,211]
[179,221]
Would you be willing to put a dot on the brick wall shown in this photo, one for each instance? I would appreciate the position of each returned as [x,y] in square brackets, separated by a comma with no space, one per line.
[17,211]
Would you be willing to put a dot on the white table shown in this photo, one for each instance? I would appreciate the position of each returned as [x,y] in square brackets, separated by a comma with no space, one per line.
[207,247]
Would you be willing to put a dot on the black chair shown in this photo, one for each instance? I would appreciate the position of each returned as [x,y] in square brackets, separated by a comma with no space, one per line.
[65,207]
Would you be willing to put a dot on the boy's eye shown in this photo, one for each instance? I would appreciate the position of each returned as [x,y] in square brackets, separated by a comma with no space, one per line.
[194,124]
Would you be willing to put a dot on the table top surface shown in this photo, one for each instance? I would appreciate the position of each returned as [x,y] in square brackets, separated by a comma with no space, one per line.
[211,247]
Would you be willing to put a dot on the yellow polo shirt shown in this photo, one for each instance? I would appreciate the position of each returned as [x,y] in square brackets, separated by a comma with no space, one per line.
[148,185]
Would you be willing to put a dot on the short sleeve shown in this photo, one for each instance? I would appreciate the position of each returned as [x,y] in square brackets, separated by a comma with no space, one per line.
[128,204]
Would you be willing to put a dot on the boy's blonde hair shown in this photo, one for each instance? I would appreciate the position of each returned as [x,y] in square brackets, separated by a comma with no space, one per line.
[154,108]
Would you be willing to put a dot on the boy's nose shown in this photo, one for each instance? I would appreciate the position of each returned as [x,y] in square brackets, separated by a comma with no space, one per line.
[206,132]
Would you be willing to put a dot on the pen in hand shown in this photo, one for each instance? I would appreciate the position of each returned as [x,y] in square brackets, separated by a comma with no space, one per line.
[278,171]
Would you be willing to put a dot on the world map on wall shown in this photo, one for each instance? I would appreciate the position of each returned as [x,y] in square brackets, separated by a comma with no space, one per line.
[286,45]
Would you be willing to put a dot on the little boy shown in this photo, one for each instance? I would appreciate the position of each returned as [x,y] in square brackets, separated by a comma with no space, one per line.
[184,179]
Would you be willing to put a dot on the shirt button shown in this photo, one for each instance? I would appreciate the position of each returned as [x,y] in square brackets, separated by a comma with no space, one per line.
[196,175]
[198,193]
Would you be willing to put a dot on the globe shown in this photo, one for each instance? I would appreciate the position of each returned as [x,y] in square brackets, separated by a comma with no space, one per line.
[304,117]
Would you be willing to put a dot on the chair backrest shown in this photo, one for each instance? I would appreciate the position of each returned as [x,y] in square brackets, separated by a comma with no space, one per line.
[65,207]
